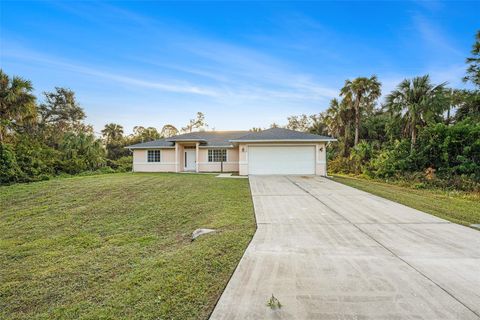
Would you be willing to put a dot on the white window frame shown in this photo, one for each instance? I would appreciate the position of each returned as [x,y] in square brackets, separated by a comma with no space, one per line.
[216,155]
[156,157]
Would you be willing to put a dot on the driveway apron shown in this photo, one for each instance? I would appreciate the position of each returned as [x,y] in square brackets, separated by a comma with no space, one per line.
[329,251]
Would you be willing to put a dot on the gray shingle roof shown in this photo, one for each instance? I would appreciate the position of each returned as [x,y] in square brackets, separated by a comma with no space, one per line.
[210,138]
[282,135]
[206,138]
[162,143]
[226,138]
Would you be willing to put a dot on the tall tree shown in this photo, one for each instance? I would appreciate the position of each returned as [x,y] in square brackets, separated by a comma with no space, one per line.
[168,131]
[59,114]
[416,100]
[61,108]
[318,125]
[114,141]
[142,134]
[299,123]
[363,92]
[467,103]
[473,70]
[197,123]
[17,104]
[112,132]
[338,118]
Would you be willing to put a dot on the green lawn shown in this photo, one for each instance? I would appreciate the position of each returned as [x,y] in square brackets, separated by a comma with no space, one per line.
[453,206]
[117,246]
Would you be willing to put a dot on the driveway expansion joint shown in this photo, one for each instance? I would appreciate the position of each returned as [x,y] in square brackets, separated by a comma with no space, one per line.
[386,248]
[320,264]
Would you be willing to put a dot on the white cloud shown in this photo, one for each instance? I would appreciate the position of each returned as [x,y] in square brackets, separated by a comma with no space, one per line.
[239,84]
[168,86]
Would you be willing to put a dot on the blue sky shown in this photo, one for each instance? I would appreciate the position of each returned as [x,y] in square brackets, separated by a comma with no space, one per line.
[243,64]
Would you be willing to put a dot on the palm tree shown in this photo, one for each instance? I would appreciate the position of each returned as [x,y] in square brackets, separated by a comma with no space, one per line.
[363,92]
[333,120]
[17,104]
[112,132]
[338,119]
[318,124]
[473,71]
[415,100]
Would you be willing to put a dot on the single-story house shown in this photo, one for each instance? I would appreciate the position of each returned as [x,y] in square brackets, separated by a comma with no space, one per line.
[271,151]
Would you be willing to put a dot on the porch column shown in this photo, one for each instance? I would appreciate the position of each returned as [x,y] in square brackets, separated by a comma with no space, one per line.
[176,157]
[196,156]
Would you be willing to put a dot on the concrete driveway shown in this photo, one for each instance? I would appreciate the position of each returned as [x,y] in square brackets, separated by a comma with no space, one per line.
[328,251]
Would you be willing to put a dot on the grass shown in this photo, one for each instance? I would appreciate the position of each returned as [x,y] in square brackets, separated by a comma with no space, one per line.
[118,246]
[458,207]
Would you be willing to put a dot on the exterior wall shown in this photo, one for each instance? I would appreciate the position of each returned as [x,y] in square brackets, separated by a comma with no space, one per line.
[139,156]
[320,156]
[167,164]
[197,156]
[237,159]
[230,166]
[180,164]
[321,159]
[243,159]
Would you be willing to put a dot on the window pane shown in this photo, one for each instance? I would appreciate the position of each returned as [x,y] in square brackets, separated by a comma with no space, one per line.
[217,155]
[153,156]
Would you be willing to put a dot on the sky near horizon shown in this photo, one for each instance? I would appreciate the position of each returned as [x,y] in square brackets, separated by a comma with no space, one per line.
[244,64]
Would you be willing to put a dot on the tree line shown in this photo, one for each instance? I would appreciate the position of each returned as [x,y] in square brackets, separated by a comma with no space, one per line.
[422,132]
[39,140]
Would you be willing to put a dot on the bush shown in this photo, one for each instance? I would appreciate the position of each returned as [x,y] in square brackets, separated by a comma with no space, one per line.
[9,169]
[124,164]
[454,150]
[81,152]
[105,169]
[445,156]
[102,170]
[341,165]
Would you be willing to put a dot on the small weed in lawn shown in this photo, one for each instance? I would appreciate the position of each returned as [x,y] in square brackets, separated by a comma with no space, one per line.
[274,303]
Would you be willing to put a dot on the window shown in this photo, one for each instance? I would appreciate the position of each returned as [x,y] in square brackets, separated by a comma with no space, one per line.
[217,155]
[153,156]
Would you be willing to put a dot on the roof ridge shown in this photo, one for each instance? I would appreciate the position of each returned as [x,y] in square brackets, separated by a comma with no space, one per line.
[290,135]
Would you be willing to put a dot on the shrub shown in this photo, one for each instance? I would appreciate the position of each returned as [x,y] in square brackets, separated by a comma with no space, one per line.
[124,164]
[341,165]
[105,169]
[454,150]
[34,159]
[9,168]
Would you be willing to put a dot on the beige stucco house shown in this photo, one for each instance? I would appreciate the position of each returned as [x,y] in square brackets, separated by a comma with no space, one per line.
[271,151]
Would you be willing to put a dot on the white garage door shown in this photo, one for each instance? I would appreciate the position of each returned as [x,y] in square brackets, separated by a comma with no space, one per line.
[281,160]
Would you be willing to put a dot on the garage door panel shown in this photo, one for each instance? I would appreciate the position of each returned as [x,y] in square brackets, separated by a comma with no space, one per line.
[281,160]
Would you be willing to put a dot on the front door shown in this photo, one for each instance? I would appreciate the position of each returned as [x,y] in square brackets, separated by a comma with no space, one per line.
[190,155]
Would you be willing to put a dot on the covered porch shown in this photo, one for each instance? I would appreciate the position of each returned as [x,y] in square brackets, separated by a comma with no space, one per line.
[192,156]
